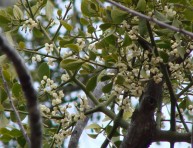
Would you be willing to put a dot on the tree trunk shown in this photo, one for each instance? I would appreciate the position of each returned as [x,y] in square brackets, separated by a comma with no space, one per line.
[143,126]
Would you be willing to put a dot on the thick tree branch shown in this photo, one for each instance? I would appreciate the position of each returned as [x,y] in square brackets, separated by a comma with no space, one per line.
[170,136]
[29,91]
[142,127]
[160,23]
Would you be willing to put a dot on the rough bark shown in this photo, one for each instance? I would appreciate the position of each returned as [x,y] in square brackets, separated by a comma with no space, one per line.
[143,126]
[29,91]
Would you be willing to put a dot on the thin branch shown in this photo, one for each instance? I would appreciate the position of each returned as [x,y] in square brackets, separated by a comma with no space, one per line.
[29,91]
[185,89]
[113,130]
[14,109]
[74,139]
[192,137]
[101,106]
[160,23]
[64,17]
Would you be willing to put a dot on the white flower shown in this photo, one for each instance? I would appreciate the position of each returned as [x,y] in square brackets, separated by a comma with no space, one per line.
[49,47]
[65,77]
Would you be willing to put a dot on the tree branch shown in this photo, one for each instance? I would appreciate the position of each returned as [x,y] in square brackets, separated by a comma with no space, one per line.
[171,136]
[29,91]
[142,127]
[15,110]
[160,23]
[81,124]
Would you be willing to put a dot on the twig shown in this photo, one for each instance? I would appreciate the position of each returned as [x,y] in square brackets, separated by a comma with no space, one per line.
[185,89]
[14,109]
[64,17]
[160,23]
[114,128]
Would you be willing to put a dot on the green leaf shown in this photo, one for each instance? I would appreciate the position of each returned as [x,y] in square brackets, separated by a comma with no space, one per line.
[17,90]
[3,120]
[7,75]
[43,70]
[118,15]
[142,27]
[21,141]
[3,59]
[120,80]
[66,25]
[181,51]
[106,77]
[89,8]
[87,67]
[111,39]
[160,16]
[18,14]
[92,82]
[94,136]
[107,88]
[59,13]
[183,103]
[65,40]
[108,129]
[15,133]
[73,47]
[49,9]
[71,64]
[127,40]
[5,138]
[141,5]
[92,55]
[91,29]
[84,21]
[21,45]
[93,126]
[164,56]
[105,26]
[188,14]
[3,95]
[1,108]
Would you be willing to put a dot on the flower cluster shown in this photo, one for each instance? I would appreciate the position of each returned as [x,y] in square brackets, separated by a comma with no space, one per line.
[125,24]
[136,89]
[49,47]
[59,138]
[49,86]
[190,110]
[37,58]
[170,13]
[50,61]
[133,33]
[30,23]
[57,97]
[80,43]
[125,104]
[65,77]
[44,109]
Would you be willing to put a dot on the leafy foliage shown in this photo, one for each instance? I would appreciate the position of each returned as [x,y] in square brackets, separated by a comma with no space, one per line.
[99,44]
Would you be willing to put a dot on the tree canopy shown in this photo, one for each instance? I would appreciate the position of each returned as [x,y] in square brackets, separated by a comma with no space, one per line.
[98,56]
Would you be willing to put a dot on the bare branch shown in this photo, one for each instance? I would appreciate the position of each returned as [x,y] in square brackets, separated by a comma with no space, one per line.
[29,91]
[14,109]
[160,23]
[171,136]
